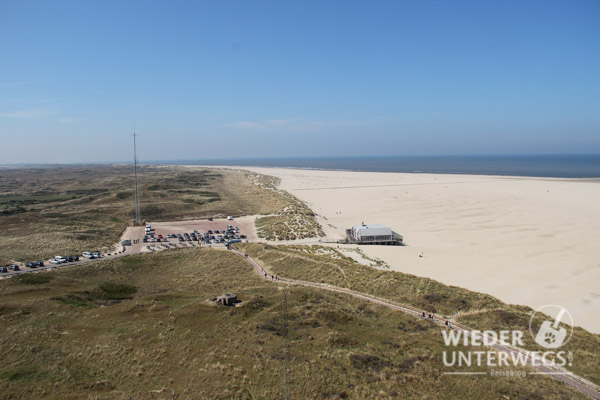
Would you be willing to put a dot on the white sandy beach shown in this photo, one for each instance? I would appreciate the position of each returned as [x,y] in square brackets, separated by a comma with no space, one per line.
[531,241]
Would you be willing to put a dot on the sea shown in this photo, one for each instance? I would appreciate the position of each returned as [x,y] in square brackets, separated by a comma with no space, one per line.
[557,166]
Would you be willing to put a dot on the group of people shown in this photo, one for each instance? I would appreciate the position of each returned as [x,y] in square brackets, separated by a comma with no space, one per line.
[430,317]
[273,277]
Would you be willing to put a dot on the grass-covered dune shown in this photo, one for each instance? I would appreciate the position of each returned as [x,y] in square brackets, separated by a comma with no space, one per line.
[141,326]
[476,310]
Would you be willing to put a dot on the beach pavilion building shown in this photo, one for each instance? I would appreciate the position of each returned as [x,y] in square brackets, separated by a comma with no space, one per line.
[372,234]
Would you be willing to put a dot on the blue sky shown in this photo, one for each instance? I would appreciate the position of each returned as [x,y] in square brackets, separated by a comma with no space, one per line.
[306,78]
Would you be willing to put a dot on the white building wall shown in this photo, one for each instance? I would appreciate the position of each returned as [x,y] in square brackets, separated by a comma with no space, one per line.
[371,232]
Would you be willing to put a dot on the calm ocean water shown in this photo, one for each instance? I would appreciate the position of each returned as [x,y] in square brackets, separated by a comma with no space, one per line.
[560,166]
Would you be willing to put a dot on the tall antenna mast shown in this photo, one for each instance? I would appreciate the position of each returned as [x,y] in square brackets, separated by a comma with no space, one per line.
[138,220]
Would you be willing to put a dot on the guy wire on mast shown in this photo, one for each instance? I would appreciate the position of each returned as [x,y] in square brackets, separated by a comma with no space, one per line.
[286,355]
[138,220]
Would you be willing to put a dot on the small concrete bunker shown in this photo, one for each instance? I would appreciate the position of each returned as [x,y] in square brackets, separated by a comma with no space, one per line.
[227,299]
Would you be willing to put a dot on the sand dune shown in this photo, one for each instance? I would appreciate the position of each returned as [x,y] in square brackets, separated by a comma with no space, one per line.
[530,241]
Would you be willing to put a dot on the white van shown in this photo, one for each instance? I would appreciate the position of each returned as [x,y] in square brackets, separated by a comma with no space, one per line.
[230,218]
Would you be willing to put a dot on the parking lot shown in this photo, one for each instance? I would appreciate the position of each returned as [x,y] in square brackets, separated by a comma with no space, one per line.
[167,231]
[245,225]
[164,235]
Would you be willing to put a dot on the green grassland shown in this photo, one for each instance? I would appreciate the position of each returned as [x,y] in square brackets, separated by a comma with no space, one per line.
[476,310]
[67,210]
[141,326]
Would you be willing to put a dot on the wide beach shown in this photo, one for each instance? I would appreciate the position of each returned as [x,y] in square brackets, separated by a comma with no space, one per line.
[531,241]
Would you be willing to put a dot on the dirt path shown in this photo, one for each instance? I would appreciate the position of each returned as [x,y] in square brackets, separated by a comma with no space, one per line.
[576,382]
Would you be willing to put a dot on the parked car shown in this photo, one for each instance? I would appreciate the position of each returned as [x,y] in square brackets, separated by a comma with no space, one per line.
[87,254]
[210,218]
[3,270]
[39,263]
[30,265]
[97,254]
[242,236]
[230,218]
[53,261]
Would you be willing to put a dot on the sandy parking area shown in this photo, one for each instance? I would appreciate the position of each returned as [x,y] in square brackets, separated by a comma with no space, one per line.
[246,225]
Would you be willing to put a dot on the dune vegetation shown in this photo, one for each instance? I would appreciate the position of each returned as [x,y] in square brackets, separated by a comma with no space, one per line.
[67,210]
[294,220]
[476,310]
[144,327]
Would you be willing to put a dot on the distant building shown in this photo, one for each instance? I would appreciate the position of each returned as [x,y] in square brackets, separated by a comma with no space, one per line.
[371,233]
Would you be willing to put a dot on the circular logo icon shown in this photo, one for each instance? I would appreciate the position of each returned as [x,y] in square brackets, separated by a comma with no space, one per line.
[552,333]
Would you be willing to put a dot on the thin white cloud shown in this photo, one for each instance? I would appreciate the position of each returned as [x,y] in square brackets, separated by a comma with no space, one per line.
[68,120]
[15,83]
[294,125]
[27,114]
